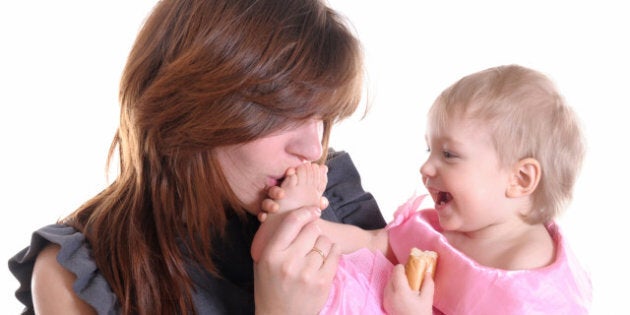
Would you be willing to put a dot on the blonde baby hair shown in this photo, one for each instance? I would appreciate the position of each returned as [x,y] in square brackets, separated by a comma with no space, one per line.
[528,118]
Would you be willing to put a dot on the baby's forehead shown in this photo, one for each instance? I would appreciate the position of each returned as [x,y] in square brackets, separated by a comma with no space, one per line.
[460,131]
[454,121]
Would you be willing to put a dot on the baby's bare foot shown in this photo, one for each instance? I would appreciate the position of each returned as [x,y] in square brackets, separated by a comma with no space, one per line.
[304,188]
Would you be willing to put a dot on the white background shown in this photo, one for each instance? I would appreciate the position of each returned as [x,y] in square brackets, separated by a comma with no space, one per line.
[60,62]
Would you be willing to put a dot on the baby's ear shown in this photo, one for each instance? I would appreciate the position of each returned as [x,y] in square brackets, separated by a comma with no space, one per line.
[524,178]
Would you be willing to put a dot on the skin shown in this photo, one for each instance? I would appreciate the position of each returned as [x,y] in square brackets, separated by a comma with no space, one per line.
[399,299]
[304,187]
[483,215]
[285,261]
[52,287]
[463,163]
[252,168]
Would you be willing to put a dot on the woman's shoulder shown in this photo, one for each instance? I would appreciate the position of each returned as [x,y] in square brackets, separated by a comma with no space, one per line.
[52,285]
[56,267]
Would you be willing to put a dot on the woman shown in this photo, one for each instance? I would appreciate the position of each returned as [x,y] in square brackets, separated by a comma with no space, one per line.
[218,99]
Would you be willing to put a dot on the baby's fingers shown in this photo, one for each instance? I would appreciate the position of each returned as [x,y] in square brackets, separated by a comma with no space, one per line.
[398,279]
[428,288]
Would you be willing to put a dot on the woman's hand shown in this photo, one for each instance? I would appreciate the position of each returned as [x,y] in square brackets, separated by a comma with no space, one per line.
[294,265]
[399,298]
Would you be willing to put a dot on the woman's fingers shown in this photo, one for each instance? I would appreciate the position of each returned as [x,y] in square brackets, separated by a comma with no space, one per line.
[296,265]
[319,254]
[274,237]
[329,266]
[290,229]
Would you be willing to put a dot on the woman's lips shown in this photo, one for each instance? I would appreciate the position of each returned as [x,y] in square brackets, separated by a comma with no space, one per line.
[274,181]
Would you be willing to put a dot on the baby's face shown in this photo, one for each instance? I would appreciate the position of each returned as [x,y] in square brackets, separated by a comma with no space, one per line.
[464,176]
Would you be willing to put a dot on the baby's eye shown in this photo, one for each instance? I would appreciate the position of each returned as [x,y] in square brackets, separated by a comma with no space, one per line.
[448,154]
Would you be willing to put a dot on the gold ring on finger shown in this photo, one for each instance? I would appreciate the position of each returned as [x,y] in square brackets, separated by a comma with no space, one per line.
[319,251]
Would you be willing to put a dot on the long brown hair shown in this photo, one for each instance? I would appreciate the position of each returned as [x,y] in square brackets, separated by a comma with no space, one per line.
[204,74]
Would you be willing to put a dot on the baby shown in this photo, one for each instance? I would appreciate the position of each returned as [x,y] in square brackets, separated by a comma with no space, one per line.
[504,154]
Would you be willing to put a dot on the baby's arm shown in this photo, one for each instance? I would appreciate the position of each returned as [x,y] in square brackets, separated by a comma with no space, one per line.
[305,186]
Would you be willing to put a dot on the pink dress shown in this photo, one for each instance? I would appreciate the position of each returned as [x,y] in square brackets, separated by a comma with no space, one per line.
[461,285]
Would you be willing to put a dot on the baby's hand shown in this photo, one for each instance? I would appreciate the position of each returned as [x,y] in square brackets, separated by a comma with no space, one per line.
[399,298]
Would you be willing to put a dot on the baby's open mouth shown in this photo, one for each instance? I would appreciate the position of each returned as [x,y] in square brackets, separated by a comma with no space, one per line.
[443,198]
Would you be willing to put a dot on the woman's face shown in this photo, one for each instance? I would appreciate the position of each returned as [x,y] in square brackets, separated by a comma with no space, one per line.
[251,168]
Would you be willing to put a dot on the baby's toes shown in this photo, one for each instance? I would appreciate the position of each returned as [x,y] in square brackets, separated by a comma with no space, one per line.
[290,181]
[275,192]
[305,174]
[322,178]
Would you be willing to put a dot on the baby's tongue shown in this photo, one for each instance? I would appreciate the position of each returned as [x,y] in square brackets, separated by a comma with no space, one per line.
[444,197]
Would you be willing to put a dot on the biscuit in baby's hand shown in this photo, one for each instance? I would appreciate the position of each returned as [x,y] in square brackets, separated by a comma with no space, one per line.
[419,263]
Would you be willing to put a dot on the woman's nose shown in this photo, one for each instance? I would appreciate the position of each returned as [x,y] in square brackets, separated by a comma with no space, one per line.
[307,143]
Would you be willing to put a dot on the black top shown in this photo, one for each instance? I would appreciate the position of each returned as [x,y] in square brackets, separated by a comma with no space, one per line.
[234,294]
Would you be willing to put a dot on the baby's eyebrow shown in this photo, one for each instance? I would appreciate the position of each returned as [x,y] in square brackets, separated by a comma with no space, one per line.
[453,141]
[445,139]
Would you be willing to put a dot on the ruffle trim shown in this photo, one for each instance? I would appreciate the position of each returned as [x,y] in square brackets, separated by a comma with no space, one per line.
[75,256]
[406,210]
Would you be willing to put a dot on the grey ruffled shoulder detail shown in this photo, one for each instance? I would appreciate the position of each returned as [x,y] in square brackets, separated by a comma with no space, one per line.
[76,256]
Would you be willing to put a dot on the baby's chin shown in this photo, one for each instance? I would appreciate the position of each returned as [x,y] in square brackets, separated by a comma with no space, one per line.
[446,222]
